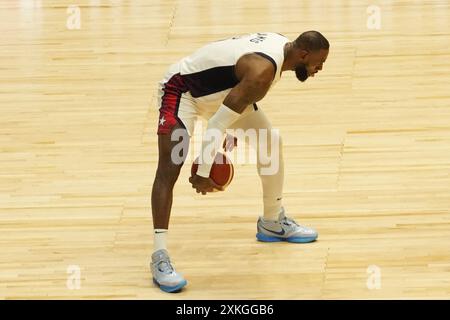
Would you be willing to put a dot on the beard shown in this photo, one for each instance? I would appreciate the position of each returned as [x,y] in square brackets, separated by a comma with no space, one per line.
[301,72]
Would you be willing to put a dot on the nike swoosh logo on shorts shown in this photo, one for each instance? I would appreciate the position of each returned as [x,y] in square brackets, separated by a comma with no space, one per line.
[282,232]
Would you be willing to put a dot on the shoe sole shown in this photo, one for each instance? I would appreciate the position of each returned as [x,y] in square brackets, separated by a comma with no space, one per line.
[174,289]
[265,238]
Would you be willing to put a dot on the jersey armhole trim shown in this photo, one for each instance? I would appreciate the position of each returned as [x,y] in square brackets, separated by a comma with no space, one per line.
[270,59]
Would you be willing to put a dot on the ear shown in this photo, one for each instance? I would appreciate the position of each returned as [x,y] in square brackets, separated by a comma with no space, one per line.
[303,53]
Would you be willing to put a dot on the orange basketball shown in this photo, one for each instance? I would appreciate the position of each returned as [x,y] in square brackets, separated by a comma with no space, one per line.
[222,170]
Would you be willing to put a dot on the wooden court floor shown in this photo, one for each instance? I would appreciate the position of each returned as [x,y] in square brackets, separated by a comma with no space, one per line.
[366,146]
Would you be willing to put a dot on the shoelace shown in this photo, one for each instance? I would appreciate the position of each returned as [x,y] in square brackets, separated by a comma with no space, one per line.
[165,266]
[289,222]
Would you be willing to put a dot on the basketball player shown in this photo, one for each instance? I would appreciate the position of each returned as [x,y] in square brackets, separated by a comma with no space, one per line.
[222,82]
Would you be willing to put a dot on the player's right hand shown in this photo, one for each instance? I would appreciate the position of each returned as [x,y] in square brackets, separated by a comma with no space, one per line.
[204,185]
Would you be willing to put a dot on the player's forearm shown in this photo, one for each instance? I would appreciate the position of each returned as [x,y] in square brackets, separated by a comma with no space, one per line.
[213,138]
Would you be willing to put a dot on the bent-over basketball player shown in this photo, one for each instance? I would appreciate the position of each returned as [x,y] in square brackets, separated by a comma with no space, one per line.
[222,82]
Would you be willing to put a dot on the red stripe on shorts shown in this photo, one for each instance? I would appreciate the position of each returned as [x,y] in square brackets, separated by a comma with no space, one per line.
[170,101]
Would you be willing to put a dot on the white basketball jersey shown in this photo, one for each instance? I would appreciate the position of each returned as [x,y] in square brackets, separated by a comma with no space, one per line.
[209,72]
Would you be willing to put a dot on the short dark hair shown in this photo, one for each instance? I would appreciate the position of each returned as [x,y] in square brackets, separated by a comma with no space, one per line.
[312,41]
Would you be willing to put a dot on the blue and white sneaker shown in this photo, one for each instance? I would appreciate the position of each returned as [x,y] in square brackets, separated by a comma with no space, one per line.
[284,229]
[164,274]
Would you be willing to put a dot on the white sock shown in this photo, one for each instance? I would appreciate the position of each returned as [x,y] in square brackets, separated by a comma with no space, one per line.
[160,239]
[272,208]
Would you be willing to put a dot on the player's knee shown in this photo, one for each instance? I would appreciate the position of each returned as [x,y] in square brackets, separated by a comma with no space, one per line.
[167,175]
[276,137]
[280,142]
[275,143]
